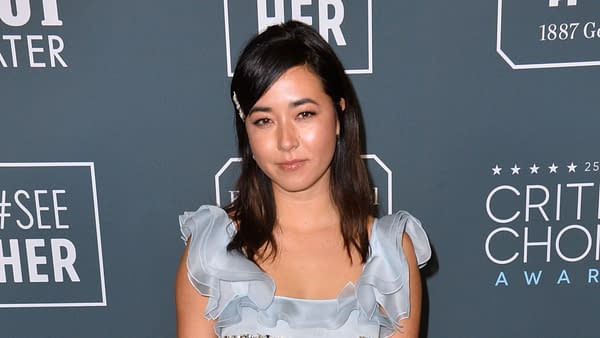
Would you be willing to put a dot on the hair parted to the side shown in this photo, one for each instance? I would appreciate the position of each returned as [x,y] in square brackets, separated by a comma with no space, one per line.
[265,58]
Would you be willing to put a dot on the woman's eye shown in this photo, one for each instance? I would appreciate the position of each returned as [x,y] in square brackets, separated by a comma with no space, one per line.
[305,114]
[261,122]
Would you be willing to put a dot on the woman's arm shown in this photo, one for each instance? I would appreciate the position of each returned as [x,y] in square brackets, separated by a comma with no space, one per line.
[410,325]
[190,305]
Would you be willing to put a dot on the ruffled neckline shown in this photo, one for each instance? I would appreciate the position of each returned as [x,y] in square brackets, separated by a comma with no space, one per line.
[342,293]
[232,282]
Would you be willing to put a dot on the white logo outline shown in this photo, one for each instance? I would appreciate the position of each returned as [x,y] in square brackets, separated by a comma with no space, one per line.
[368,70]
[103,302]
[515,66]
[374,157]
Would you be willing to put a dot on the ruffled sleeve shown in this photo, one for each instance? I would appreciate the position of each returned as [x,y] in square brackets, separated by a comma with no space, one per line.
[385,276]
[226,277]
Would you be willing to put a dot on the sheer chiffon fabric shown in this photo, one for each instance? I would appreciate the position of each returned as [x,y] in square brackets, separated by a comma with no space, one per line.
[241,297]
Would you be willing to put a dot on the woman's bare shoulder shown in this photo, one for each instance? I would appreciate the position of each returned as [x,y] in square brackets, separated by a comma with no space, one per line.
[190,305]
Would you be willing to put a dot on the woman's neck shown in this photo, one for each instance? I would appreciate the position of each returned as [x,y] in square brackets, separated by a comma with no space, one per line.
[306,211]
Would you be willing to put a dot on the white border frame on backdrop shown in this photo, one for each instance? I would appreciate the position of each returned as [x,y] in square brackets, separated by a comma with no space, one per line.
[98,238]
[365,157]
[532,65]
[368,70]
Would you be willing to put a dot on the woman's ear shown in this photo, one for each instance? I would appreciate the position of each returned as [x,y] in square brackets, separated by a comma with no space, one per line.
[342,105]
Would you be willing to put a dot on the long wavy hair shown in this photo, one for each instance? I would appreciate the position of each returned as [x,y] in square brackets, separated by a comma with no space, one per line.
[264,59]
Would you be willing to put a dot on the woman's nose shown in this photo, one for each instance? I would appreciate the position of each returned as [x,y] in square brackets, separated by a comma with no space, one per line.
[287,137]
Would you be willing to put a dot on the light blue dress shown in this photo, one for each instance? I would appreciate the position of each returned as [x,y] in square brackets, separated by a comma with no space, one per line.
[242,297]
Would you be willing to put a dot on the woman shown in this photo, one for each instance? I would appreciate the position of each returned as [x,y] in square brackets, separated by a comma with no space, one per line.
[298,254]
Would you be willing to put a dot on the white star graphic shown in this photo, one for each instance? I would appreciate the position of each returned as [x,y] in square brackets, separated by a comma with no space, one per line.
[515,170]
[496,170]
[572,167]
[553,168]
[534,169]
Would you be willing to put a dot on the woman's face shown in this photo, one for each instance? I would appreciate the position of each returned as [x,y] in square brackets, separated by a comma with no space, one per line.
[292,132]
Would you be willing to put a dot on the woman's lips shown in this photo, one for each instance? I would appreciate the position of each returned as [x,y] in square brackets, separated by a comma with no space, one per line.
[291,165]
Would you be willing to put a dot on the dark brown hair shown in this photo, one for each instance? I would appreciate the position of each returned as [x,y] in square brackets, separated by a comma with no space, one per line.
[265,58]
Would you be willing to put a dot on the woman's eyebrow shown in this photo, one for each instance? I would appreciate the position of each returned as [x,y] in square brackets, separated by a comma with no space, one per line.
[292,104]
[259,108]
[302,101]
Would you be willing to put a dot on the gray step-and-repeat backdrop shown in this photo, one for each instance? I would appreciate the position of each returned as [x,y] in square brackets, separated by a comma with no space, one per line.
[482,120]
